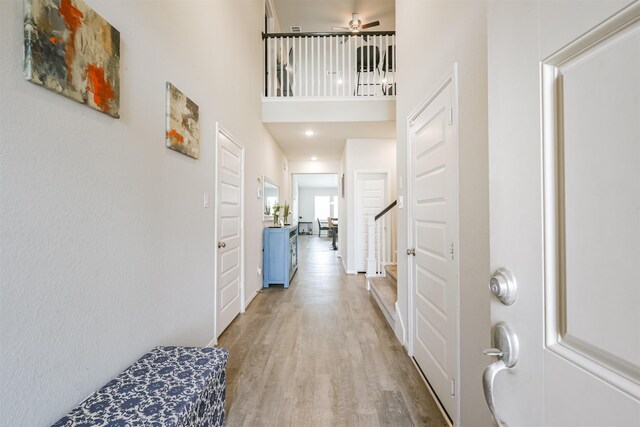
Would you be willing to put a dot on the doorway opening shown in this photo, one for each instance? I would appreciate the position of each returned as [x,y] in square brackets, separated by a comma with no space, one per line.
[315,202]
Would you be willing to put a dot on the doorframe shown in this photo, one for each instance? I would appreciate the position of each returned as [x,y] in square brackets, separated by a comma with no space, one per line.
[354,232]
[451,78]
[220,130]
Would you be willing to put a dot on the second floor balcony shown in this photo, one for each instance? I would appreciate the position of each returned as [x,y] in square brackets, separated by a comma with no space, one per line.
[353,73]
[330,65]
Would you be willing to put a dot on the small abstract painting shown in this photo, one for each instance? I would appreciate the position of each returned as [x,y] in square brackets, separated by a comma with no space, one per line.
[72,50]
[183,123]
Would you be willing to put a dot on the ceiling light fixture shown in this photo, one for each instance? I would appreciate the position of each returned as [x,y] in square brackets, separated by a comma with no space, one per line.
[314,158]
[309,133]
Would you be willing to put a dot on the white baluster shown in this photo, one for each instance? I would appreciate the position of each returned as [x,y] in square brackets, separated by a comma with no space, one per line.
[371,260]
[330,66]
[274,81]
[324,68]
[350,69]
[306,66]
[298,68]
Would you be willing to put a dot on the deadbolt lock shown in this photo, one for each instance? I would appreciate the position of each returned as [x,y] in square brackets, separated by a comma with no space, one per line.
[503,286]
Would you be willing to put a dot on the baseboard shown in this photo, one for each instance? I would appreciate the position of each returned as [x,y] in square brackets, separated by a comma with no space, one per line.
[403,331]
[212,343]
[433,394]
[250,300]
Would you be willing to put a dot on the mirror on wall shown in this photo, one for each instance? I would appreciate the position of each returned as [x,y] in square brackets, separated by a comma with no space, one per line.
[270,194]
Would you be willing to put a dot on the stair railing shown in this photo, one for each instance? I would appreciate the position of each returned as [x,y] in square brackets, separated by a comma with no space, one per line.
[379,252]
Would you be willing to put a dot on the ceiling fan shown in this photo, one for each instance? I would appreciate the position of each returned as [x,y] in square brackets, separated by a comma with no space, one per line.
[356,25]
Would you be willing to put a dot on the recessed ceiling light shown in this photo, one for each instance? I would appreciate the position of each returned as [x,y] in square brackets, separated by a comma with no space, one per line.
[314,158]
[309,132]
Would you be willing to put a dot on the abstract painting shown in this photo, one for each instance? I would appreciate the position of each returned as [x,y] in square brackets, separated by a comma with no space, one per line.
[72,50]
[183,123]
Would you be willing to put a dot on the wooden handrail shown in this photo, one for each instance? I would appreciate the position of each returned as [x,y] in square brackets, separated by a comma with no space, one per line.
[385,210]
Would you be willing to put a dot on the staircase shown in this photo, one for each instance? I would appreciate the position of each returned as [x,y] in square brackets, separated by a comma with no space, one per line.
[385,291]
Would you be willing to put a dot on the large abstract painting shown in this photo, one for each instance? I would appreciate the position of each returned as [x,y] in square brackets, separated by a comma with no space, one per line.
[183,123]
[72,50]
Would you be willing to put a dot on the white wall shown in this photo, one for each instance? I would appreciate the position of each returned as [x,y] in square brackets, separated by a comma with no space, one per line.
[432,36]
[318,166]
[105,248]
[363,155]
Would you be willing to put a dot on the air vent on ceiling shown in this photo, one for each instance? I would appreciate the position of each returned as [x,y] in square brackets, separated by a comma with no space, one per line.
[296,29]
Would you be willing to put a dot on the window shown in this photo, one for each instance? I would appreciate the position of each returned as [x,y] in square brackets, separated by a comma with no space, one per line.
[334,204]
[322,207]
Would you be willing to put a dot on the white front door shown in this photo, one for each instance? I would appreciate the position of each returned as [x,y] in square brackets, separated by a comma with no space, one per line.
[564,144]
[229,230]
[371,196]
[433,231]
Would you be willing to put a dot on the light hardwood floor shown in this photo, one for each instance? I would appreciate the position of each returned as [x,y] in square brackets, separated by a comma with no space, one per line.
[321,354]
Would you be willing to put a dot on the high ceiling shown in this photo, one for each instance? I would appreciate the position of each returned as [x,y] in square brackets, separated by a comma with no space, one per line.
[321,15]
[327,142]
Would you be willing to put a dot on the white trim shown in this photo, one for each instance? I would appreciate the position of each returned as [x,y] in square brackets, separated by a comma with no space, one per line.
[213,342]
[433,394]
[252,297]
[221,130]
[451,78]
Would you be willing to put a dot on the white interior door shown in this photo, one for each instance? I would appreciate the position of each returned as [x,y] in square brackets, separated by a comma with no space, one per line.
[433,233]
[229,230]
[565,197]
[371,197]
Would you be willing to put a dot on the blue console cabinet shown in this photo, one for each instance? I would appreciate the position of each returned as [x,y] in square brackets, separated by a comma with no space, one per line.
[280,255]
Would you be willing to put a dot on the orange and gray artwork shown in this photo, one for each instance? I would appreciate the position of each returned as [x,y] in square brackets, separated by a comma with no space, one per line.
[72,50]
[183,123]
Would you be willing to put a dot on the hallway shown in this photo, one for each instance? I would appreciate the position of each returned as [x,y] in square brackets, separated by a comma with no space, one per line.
[321,354]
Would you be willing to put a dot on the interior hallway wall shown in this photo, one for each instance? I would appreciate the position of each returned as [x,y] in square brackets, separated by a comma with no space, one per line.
[105,248]
[432,36]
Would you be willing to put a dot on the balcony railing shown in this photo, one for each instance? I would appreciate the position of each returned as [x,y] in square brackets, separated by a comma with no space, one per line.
[324,65]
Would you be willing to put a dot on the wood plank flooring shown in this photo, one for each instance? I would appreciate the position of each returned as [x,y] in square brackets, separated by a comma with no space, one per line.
[321,354]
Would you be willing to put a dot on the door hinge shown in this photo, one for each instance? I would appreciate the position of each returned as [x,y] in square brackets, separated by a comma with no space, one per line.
[453,387]
[451,251]
[450,116]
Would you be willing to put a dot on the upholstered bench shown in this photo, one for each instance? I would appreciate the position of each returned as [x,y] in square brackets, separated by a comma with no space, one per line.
[169,386]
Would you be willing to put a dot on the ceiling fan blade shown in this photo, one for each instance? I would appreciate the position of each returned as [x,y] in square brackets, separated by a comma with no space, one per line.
[341,28]
[370,24]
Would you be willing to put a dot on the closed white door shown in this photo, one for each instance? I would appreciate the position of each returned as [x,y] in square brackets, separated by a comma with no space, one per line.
[564,135]
[433,236]
[371,196]
[229,199]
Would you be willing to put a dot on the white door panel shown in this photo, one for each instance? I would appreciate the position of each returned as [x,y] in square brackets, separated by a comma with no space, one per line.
[566,223]
[228,231]
[433,227]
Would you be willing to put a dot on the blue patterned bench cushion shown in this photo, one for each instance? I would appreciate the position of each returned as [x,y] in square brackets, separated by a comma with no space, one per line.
[169,386]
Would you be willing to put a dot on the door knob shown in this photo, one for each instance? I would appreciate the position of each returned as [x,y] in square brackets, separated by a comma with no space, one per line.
[222,245]
[503,286]
[506,350]
[411,251]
